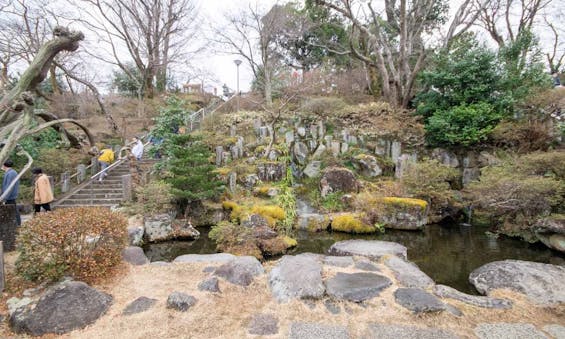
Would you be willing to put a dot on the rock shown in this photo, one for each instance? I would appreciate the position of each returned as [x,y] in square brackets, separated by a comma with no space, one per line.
[217,257]
[139,305]
[64,307]
[373,249]
[356,287]
[15,303]
[332,307]
[160,263]
[557,331]
[335,179]
[254,220]
[408,274]
[445,157]
[367,165]
[443,291]
[264,233]
[300,152]
[210,285]
[300,330]
[204,213]
[395,150]
[366,265]
[180,301]
[301,131]
[135,255]
[508,330]
[313,222]
[541,283]
[289,137]
[312,170]
[319,151]
[418,300]
[453,310]
[470,174]
[183,229]
[386,331]
[158,227]
[403,213]
[240,271]
[343,148]
[335,147]
[263,324]
[551,232]
[135,235]
[402,164]
[338,261]
[271,171]
[296,277]
[251,180]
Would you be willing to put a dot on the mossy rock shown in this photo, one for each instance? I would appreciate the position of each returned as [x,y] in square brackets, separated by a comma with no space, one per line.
[403,213]
[351,223]
[276,246]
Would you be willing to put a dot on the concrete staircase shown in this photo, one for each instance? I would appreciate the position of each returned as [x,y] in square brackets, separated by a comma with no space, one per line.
[107,193]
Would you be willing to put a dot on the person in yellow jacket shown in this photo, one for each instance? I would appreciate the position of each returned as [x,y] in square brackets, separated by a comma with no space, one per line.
[105,158]
[43,194]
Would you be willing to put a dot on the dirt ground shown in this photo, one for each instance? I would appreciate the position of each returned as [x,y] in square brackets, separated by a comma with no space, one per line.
[227,314]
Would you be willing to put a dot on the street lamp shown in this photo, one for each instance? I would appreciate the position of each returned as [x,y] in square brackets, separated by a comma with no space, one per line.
[237,63]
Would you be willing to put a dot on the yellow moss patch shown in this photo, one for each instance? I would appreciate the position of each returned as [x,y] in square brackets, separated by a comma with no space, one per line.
[222,171]
[262,190]
[290,242]
[236,210]
[405,202]
[351,223]
[271,213]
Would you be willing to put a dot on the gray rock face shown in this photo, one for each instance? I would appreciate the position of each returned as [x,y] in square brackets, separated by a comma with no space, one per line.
[180,301]
[332,307]
[158,227]
[383,331]
[300,152]
[367,165]
[338,261]
[296,277]
[183,229]
[506,330]
[337,179]
[263,324]
[210,285]
[66,306]
[373,249]
[139,305]
[356,287]
[299,330]
[135,235]
[312,222]
[135,255]
[443,291]
[240,271]
[418,300]
[408,274]
[551,231]
[217,257]
[313,169]
[557,331]
[271,171]
[366,265]
[541,283]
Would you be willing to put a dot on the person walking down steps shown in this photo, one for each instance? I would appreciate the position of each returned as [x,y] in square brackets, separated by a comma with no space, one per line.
[105,159]
[10,196]
[137,149]
[43,194]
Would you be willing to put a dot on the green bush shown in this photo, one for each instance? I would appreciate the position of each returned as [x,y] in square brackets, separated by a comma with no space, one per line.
[84,243]
[154,198]
[428,179]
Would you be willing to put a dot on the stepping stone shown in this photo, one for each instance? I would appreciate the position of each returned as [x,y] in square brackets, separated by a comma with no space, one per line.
[217,257]
[555,330]
[373,249]
[139,305]
[508,330]
[418,300]
[210,285]
[263,324]
[297,277]
[332,307]
[338,261]
[299,330]
[366,265]
[160,263]
[356,287]
[134,255]
[443,291]
[385,331]
[240,271]
[180,301]
[209,269]
[408,274]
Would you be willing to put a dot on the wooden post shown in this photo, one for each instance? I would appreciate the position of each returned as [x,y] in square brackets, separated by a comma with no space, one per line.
[2,277]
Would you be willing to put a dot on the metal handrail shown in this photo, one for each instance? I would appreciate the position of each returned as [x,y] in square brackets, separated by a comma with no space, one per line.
[192,118]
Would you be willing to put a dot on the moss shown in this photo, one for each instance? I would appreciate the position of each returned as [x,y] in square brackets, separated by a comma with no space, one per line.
[237,211]
[271,213]
[317,225]
[223,171]
[351,223]
[405,202]
[262,190]
[290,242]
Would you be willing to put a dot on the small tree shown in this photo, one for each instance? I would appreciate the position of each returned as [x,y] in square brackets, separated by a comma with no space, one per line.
[189,171]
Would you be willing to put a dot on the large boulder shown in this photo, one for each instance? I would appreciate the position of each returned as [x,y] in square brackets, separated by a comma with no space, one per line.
[337,179]
[183,229]
[367,165]
[240,271]
[64,307]
[403,213]
[134,255]
[158,227]
[136,229]
[300,153]
[373,249]
[297,277]
[542,283]
[551,232]
[205,213]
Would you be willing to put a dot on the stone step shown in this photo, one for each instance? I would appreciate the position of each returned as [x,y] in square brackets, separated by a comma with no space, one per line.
[100,201]
[97,195]
[85,205]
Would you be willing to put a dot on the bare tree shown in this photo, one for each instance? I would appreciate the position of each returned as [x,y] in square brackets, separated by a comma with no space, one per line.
[556,54]
[395,38]
[154,34]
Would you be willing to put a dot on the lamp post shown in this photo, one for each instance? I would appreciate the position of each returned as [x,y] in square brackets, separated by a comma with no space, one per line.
[237,63]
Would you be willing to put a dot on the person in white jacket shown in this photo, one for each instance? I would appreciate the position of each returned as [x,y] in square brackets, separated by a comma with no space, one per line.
[137,149]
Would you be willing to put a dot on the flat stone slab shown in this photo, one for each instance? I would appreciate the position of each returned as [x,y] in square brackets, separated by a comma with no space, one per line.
[180,301]
[443,291]
[557,331]
[373,249]
[300,330]
[195,258]
[418,300]
[386,331]
[356,287]
[263,324]
[366,265]
[134,255]
[338,261]
[240,271]
[297,277]
[508,330]
[139,305]
[408,274]
[541,283]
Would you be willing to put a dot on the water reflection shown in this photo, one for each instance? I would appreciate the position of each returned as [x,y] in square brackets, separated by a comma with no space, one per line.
[446,253]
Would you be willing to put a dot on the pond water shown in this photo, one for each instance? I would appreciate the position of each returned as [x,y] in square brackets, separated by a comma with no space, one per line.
[446,253]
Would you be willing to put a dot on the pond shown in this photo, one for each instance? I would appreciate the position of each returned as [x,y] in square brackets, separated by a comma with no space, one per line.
[447,253]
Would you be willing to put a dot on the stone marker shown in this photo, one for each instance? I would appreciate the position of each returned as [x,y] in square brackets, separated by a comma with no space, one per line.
[139,305]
